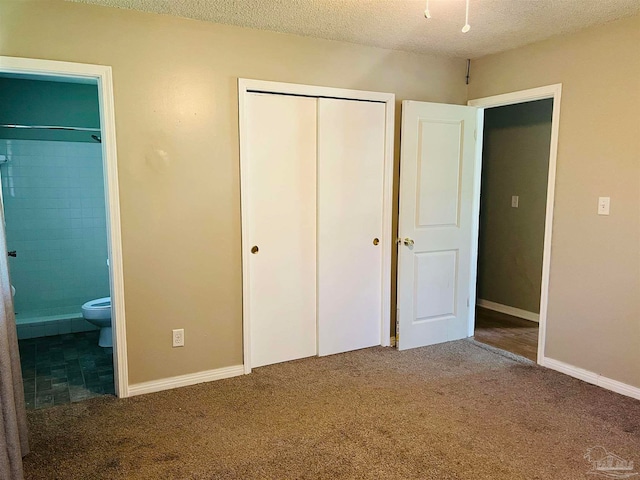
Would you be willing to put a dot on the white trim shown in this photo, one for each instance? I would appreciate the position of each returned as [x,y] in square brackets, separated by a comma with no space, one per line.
[592,377]
[521,96]
[246,85]
[388,241]
[102,74]
[185,380]
[244,225]
[475,223]
[554,92]
[513,311]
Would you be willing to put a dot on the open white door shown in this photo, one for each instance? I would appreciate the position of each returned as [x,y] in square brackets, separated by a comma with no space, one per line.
[437,178]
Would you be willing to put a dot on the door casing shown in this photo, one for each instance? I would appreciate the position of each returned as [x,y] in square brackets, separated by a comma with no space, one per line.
[523,96]
[101,74]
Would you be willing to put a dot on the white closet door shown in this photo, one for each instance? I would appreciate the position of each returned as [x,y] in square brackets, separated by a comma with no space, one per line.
[281,143]
[351,143]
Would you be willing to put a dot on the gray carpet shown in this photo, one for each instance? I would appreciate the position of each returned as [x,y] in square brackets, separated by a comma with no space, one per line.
[452,411]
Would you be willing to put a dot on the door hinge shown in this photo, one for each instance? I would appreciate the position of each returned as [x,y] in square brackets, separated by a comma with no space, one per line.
[467,302]
[475,134]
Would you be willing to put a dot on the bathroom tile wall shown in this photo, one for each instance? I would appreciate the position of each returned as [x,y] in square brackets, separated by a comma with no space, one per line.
[53,194]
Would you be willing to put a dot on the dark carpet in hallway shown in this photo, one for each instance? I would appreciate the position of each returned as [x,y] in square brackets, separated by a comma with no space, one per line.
[452,411]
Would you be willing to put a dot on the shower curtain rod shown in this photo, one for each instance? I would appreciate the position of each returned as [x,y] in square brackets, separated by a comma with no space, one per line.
[51,127]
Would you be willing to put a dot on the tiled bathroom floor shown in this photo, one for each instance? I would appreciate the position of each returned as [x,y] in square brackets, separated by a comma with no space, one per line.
[65,368]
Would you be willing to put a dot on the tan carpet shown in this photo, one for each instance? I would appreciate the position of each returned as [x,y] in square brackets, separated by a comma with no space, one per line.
[452,411]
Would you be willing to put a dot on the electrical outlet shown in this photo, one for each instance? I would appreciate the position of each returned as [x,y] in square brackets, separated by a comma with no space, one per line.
[515,200]
[178,337]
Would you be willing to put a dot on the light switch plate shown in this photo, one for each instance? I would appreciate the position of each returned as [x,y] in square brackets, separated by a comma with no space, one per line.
[603,205]
[515,200]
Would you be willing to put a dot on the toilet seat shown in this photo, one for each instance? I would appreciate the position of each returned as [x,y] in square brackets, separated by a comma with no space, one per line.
[97,309]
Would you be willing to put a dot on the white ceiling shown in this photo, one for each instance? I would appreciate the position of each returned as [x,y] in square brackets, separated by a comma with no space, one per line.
[496,25]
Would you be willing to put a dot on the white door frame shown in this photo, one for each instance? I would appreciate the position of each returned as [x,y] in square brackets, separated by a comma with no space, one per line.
[246,86]
[549,91]
[102,74]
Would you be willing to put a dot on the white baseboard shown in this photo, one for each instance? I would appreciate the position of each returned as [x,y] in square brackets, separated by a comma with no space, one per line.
[513,311]
[592,377]
[185,380]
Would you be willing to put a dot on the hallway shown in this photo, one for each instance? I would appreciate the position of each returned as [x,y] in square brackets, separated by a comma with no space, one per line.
[509,333]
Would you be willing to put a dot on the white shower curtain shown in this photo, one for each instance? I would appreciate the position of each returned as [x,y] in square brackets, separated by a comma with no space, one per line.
[13,420]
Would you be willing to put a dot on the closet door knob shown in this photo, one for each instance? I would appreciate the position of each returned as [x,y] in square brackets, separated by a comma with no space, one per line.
[408,242]
[254,249]
[376,241]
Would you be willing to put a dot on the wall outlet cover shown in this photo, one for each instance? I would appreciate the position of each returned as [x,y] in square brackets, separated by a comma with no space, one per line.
[178,337]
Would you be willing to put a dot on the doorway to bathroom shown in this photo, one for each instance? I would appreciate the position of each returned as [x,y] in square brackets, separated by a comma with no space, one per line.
[56,225]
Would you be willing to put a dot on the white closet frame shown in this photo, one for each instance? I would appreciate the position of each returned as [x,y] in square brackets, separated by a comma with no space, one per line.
[245,86]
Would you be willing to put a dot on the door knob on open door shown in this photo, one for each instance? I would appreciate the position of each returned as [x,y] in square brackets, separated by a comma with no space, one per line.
[408,242]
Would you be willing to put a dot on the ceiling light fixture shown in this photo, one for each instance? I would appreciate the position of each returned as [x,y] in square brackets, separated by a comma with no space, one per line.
[466,27]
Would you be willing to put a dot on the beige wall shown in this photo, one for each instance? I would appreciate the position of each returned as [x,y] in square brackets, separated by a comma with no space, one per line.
[176,119]
[177,132]
[594,301]
[515,161]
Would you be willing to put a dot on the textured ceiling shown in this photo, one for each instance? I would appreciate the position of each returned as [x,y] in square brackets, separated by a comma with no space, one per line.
[496,25]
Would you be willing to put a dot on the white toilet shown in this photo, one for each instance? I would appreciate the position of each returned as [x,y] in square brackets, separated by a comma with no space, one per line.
[98,312]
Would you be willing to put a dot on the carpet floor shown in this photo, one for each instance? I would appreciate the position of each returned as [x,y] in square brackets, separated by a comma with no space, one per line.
[453,411]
